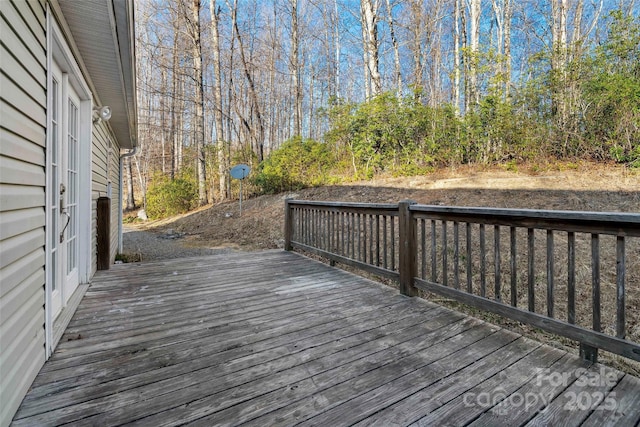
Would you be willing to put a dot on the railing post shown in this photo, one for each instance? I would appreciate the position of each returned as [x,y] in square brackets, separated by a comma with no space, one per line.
[408,248]
[288,225]
[589,353]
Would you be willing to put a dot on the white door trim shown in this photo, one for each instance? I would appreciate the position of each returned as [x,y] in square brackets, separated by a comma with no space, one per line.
[58,51]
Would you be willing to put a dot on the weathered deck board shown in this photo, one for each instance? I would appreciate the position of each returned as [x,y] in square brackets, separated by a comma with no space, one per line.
[274,338]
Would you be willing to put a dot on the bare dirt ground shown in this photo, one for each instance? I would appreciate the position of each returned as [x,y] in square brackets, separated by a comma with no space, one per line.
[578,187]
[582,187]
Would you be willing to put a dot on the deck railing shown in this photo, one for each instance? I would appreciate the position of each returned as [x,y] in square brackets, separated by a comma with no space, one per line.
[568,273]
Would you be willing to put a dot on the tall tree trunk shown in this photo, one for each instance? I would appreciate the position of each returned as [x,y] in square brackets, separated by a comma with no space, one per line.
[474,45]
[456,56]
[199,104]
[396,50]
[465,58]
[417,29]
[273,104]
[502,12]
[174,96]
[559,59]
[163,118]
[180,124]
[217,99]
[370,22]
[508,15]
[435,54]
[252,87]
[295,69]
[336,35]
[365,55]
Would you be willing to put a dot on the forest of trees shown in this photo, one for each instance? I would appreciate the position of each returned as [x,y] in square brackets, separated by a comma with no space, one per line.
[317,91]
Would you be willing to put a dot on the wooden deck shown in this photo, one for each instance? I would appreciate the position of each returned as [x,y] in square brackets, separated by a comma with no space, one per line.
[274,338]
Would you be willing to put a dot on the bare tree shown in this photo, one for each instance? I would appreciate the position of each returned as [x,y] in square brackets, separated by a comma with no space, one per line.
[369,10]
[559,10]
[474,50]
[456,56]
[194,31]
[223,162]
[503,13]
[295,69]
[396,50]
[336,36]
[259,138]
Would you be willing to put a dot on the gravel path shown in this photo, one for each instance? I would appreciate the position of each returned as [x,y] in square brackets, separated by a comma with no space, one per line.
[154,246]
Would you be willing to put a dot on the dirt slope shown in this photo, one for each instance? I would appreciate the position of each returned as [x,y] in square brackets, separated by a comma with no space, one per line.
[584,187]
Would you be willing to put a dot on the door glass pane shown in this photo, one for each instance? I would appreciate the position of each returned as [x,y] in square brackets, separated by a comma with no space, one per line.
[54,219]
[72,187]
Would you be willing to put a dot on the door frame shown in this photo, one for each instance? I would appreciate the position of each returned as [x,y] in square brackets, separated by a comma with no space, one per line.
[59,51]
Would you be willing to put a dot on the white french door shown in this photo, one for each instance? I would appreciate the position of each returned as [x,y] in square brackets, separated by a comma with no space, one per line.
[64,165]
[71,201]
[56,188]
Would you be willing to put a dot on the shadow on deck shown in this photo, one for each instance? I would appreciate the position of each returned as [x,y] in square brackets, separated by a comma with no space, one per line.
[275,338]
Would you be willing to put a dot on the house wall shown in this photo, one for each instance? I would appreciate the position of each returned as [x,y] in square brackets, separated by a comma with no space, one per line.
[105,170]
[23,121]
[22,196]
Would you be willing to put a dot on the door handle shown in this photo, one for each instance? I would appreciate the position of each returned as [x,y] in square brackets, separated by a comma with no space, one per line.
[65,227]
[63,190]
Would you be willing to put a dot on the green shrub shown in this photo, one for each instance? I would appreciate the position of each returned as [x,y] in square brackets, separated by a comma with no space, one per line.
[171,197]
[297,164]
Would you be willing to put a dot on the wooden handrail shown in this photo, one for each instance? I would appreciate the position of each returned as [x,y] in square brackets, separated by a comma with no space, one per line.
[421,246]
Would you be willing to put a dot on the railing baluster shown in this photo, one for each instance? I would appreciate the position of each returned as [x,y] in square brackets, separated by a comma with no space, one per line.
[445,273]
[571,277]
[343,229]
[456,255]
[434,267]
[363,257]
[587,351]
[345,234]
[496,256]
[330,230]
[310,227]
[334,231]
[531,278]
[423,249]
[352,240]
[393,243]
[302,237]
[378,240]
[483,263]
[514,267]
[363,225]
[469,263]
[371,251]
[319,228]
[550,272]
[384,239]
[316,234]
[311,224]
[359,231]
[620,279]
[595,280]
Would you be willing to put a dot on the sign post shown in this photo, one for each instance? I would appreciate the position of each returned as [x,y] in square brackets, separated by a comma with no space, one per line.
[240,172]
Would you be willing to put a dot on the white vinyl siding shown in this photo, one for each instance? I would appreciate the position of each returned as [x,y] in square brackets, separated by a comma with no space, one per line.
[22,196]
[105,169]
